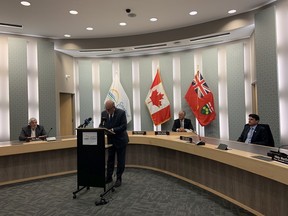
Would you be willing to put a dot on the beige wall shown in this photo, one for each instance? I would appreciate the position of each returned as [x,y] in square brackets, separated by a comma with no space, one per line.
[64,65]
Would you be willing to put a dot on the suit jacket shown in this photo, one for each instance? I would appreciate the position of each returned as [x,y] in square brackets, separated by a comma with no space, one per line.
[259,135]
[26,132]
[119,125]
[187,124]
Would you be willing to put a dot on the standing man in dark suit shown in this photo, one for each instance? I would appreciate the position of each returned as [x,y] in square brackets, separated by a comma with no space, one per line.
[182,124]
[32,131]
[253,132]
[116,122]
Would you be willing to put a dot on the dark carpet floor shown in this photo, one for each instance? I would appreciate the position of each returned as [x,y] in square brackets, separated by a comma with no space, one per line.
[143,192]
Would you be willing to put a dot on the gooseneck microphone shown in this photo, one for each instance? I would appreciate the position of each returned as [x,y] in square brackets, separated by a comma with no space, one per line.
[49,132]
[48,139]
[44,137]
[281,146]
[86,122]
[200,142]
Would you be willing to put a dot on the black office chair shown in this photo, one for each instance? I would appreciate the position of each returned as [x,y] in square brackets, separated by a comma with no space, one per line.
[269,135]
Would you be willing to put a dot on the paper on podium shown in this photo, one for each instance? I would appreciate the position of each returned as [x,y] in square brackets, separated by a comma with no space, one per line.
[109,132]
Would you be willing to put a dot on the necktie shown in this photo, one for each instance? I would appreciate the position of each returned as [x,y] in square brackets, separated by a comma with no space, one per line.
[249,135]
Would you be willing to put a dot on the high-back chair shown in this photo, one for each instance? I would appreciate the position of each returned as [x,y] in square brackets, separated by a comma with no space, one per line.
[269,135]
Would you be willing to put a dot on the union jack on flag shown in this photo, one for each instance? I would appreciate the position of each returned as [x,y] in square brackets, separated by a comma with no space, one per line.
[200,86]
[201,101]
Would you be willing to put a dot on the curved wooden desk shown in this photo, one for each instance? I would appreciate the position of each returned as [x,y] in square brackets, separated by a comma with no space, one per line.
[258,185]
[28,161]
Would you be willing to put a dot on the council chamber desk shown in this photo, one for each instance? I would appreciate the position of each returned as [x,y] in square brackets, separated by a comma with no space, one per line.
[243,175]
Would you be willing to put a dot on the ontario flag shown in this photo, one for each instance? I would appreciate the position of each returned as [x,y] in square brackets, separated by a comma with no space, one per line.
[157,101]
[201,100]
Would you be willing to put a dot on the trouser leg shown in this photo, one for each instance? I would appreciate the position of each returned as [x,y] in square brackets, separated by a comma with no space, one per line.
[121,154]
[110,161]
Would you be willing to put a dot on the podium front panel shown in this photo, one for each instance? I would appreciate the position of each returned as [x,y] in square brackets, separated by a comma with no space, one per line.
[91,157]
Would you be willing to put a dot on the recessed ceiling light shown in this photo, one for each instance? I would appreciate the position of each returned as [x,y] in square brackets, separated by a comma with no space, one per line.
[74,12]
[67,35]
[153,19]
[231,11]
[122,24]
[89,28]
[192,13]
[25,3]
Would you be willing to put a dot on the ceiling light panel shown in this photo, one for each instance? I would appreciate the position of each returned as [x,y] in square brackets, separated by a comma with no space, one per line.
[232,11]
[193,13]
[73,12]
[25,3]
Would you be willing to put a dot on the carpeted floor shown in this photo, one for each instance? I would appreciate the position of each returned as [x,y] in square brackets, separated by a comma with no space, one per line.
[143,192]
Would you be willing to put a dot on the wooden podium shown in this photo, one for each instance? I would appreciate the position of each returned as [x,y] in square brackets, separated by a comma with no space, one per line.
[91,158]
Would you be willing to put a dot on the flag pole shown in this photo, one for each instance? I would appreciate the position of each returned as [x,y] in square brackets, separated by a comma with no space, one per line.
[198,124]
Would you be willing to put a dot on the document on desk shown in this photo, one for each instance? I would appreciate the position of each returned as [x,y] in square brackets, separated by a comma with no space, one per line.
[89,138]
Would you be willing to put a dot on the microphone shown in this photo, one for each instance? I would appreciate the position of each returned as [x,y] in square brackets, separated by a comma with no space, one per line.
[50,138]
[200,142]
[86,122]
[281,146]
[49,132]
[44,137]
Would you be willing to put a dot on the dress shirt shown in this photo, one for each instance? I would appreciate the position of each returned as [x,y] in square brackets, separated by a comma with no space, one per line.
[250,134]
[33,133]
[182,123]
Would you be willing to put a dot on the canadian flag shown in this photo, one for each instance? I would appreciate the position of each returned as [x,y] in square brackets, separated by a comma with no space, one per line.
[157,101]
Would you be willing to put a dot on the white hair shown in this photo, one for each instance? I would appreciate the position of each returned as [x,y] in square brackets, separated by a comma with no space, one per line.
[32,119]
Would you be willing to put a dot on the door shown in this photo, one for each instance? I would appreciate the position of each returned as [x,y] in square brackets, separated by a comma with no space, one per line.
[66,114]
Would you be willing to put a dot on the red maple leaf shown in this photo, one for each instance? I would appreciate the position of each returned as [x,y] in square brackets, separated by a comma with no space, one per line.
[156,98]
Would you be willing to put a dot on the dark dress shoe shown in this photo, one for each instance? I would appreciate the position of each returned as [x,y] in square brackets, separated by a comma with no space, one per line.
[108,180]
[118,183]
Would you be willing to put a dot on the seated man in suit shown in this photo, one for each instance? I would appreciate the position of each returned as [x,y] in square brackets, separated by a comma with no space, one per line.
[32,131]
[182,124]
[253,132]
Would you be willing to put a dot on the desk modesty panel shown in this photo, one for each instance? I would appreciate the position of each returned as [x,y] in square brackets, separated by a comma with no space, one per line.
[240,155]
[256,185]
[28,161]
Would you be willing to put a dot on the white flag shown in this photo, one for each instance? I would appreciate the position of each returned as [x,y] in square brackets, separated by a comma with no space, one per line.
[117,94]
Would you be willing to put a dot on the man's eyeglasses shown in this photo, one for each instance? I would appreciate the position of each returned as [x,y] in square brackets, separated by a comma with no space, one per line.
[109,109]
